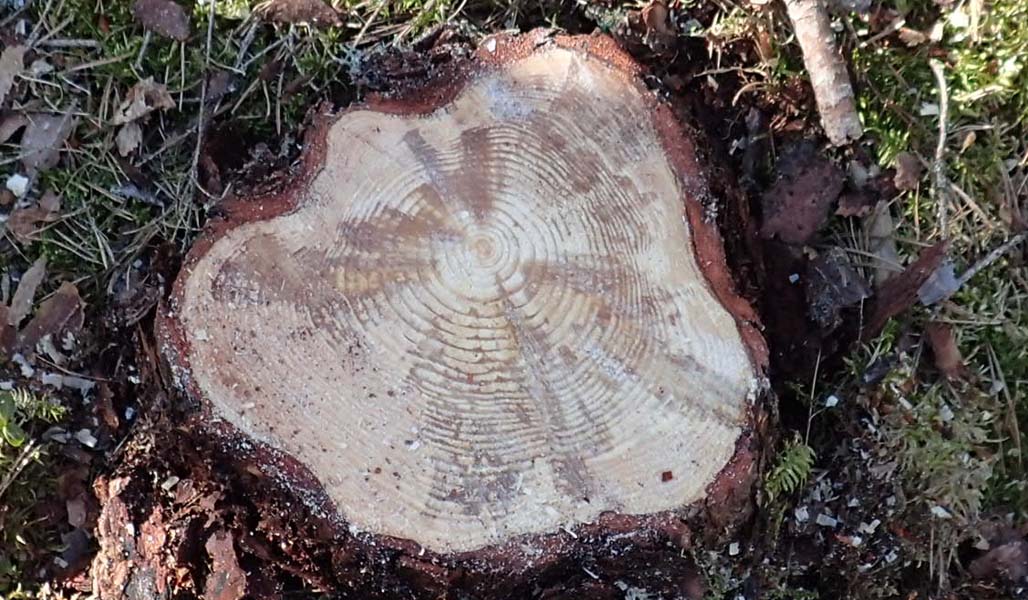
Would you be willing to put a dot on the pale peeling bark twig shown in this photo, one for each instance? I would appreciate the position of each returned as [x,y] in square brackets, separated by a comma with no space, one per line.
[939,179]
[828,76]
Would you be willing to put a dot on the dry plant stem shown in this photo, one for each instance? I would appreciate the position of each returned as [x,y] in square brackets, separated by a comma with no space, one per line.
[992,257]
[939,179]
[828,76]
[23,460]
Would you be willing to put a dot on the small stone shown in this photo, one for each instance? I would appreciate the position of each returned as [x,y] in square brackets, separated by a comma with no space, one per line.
[941,513]
[733,549]
[169,483]
[831,401]
[826,521]
[802,514]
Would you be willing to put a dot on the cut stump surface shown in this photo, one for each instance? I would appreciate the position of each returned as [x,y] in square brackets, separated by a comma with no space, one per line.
[489,309]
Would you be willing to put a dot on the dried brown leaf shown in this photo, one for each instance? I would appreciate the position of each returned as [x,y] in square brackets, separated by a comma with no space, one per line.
[23,222]
[912,37]
[60,312]
[10,124]
[8,334]
[164,17]
[129,137]
[944,347]
[43,139]
[227,581]
[908,171]
[881,235]
[296,12]
[801,198]
[145,97]
[12,63]
[21,302]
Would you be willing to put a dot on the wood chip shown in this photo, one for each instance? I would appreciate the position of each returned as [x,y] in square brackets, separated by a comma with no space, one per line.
[900,292]
[226,581]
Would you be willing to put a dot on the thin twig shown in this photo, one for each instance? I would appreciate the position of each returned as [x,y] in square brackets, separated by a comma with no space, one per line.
[939,179]
[142,50]
[992,257]
[23,460]
[194,175]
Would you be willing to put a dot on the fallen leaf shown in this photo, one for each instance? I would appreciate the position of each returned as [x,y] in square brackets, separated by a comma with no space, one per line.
[296,12]
[12,63]
[801,198]
[908,171]
[900,292]
[8,334]
[944,347]
[226,581]
[833,284]
[143,98]
[60,312]
[880,230]
[163,17]
[659,36]
[1008,561]
[10,123]
[23,221]
[43,139]
[129,137]
[912,37]
[21,302]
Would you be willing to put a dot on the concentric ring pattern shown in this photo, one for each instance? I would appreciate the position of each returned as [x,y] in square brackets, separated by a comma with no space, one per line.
[480,323]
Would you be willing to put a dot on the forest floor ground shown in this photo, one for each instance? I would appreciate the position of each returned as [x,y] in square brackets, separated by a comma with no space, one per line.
[898,468]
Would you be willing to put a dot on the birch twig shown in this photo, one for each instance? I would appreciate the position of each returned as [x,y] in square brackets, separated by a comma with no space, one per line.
[828,76]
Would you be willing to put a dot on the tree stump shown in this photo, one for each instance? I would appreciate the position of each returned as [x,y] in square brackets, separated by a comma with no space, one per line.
[488,332]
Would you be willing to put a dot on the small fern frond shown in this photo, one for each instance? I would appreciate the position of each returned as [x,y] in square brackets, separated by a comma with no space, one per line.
[795,462]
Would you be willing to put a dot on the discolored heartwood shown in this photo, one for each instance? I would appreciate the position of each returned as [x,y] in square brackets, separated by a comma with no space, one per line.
[488,330]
